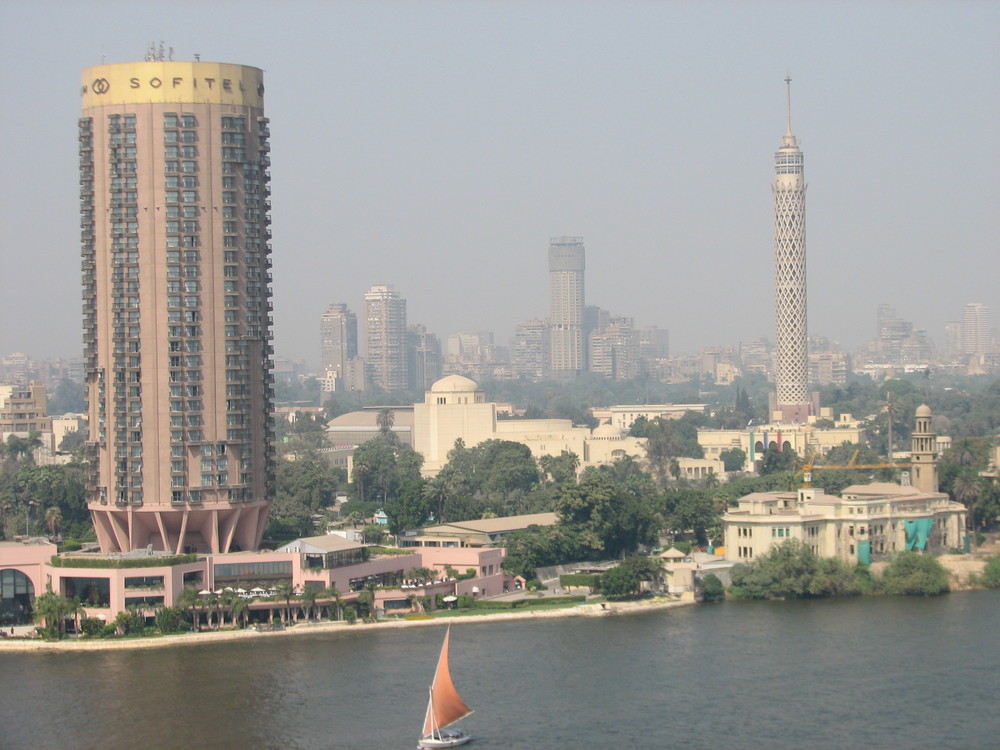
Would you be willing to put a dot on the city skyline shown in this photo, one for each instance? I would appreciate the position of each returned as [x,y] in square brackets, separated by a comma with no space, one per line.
[422,157]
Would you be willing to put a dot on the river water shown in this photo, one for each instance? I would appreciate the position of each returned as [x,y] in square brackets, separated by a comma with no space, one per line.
[865,673]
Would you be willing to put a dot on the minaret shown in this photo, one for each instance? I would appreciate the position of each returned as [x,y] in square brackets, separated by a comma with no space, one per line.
[923,453]
[792,356]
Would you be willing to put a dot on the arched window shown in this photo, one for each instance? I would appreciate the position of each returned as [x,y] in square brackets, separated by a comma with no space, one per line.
[17,596]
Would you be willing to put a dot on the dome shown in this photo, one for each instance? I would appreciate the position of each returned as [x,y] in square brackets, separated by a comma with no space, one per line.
[607,430]
[923,410]
[454,383]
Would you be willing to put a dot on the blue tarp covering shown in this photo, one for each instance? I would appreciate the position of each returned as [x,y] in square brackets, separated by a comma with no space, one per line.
[865,553]
[917,532]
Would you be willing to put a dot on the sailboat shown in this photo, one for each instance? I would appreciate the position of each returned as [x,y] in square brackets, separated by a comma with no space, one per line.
[444,708]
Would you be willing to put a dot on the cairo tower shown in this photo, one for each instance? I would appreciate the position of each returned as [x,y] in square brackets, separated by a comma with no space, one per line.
[177,326]
[791,355]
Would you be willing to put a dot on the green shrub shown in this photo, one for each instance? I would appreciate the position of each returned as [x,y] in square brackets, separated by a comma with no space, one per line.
[101,562]
[914,574]
[590,580]
[108,631]
[991,573]
[91,626]
[465,601]
[712,589]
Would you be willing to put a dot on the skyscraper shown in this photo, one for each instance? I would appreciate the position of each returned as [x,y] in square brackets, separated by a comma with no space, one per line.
[338,342]
[566,303]
[975,329]
[792,351]
[385,338]
[531,350]
[177,327]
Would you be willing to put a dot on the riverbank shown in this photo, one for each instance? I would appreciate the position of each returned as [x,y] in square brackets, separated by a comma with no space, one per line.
[303,628]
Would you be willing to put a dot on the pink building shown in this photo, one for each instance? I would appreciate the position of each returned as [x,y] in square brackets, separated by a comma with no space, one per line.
[108,584]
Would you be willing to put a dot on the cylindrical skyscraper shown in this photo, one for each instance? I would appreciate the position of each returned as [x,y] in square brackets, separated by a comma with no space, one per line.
[792,354]
[176,302]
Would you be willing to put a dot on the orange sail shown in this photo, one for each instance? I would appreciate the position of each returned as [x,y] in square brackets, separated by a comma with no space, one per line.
[445,706]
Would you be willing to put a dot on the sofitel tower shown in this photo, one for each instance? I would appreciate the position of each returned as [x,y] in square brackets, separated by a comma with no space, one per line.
[791,356]
[176,303]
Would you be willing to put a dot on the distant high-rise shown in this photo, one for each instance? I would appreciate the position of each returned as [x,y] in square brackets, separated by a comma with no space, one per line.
[566,304]
[176,300]
[338,342]
[424,357]
[385,338]
[792,350]
[975,329]
[532,350]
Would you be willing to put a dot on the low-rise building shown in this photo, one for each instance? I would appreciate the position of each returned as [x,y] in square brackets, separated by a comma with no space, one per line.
[456,408]
[867,522]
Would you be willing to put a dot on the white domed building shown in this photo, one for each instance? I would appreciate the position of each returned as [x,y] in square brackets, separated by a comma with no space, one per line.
[456,408]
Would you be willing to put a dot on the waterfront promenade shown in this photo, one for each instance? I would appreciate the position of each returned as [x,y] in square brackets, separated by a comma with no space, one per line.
[215,636]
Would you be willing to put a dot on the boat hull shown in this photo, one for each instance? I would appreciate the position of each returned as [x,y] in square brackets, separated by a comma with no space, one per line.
[447,738]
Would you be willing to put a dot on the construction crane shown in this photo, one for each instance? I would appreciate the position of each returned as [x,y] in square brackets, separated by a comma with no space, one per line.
[810,466]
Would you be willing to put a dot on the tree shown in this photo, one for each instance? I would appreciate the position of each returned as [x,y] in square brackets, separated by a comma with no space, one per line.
[53,519]
[284,590]
[385,419]
[130,621]
[561,468]
[408,507]
[778,459]
[712,589]
[240,610]
[310,592]
[914,574]
[189,600]
[991,573]
[51,610]
[381,466]
[372,534]
[169,619]
[668,439]
[733,459]
[626,578]
[606,516]
[792,570]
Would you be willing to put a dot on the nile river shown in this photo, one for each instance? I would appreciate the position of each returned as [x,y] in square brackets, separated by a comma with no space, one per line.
[866,673]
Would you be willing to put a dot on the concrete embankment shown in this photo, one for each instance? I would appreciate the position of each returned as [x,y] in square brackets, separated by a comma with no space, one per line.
[192,639]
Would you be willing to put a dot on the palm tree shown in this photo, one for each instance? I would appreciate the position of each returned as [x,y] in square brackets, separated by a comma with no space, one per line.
[331,593]
[53,519]
[385,420]
[285,591]
[228,601]
[188,599]
[675,469]
[965,490]
[360,471]
[212,600]
[51,610]
[437,490]
[711,480]
[240,609]
[309,595]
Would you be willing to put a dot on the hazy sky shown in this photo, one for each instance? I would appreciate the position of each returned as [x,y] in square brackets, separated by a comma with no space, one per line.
[437,146]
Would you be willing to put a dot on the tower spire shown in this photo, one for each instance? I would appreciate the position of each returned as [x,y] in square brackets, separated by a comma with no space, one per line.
[788,109]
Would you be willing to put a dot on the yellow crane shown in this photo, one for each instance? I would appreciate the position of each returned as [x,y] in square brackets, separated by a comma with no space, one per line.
[810,466]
